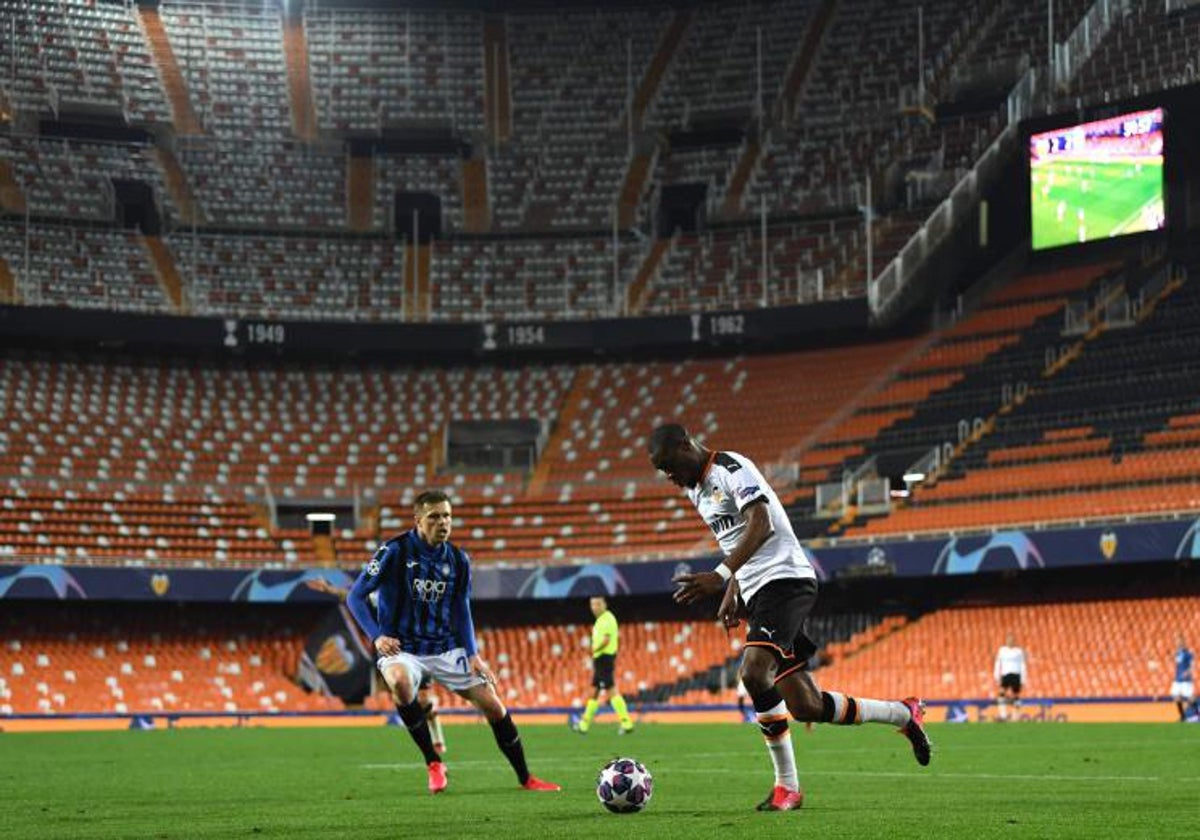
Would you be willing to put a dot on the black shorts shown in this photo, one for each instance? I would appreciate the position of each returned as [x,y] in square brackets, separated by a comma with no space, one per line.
[778,612]
[602,670]
[1012,681]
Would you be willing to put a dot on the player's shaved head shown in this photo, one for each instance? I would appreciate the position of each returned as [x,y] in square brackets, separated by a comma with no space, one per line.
[598,605]
[674,453]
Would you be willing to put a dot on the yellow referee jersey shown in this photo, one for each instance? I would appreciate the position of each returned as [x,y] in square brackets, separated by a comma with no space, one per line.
[606,625]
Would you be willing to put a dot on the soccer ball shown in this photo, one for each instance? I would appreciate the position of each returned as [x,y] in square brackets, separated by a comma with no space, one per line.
[624,786]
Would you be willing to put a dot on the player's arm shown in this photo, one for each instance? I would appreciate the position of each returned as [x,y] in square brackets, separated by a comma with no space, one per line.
[324,586]
[731,609]
[996,668]
[464,624]
[368,581]
[693,587]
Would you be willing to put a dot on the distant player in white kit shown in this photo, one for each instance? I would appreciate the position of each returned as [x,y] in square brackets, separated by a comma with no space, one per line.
[1183,689]
[767,567]
[1010,674]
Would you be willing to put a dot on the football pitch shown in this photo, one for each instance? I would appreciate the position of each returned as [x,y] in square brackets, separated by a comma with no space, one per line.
[1026,780]
[1111,196]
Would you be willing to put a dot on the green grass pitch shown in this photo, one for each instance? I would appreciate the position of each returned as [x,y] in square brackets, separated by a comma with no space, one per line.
[1110,195]
[1023,780]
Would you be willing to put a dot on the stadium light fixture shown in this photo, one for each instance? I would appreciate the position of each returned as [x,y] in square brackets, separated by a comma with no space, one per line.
[320,517]
[914,477]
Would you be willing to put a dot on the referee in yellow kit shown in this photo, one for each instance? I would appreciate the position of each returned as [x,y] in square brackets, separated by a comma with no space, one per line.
[604,660]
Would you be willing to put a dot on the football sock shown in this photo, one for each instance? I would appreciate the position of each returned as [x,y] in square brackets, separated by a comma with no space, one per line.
[844,710]
[622,710]
[1182,711]
[414,720]
[773,722]
[510,744]
[1002,708]
[589,712]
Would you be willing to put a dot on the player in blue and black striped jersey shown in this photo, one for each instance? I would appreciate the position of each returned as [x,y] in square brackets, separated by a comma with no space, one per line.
[423,628]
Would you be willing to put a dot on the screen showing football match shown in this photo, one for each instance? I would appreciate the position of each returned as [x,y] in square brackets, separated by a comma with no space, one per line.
[1097,179]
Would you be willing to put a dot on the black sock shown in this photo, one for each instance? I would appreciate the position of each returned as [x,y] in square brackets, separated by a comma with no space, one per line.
[827,707]
[414,719]
[509,743]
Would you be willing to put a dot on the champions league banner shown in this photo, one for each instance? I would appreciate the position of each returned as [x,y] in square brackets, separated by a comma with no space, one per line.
[1141,542]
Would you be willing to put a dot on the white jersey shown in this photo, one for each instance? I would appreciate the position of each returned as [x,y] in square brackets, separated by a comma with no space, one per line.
[730,484]
[1010,660]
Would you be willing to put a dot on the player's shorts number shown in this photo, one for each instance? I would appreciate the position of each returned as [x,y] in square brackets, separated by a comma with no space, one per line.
[462,663]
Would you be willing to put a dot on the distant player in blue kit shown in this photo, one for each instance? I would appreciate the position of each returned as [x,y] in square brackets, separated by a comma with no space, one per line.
[424,628]
[1183,689]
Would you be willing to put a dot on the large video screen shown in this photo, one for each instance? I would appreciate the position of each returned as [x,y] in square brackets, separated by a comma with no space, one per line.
[1097,179]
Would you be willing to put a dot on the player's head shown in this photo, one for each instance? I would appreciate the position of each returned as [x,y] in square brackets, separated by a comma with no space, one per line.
[1010,640]
[598,605]
[674,453]
[1181,641]
[433,516]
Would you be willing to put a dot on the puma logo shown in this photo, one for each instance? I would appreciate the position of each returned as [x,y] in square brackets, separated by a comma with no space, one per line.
[411,563]
[770,634]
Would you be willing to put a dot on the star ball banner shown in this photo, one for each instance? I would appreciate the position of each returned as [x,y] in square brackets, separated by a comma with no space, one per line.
[1140,542]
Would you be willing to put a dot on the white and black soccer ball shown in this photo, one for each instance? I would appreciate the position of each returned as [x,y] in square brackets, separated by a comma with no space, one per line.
[624,786]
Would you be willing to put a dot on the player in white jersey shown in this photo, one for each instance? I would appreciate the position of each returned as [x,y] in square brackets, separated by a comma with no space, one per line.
[770,577]
[1010,675]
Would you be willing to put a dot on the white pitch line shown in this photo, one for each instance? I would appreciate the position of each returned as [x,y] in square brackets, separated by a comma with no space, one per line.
[885,774]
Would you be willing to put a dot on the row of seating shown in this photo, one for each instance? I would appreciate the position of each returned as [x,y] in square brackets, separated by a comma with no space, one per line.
[58,659]
[949,653]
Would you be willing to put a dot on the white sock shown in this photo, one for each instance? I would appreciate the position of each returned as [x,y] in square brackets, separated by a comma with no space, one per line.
[780,746]
[1002,711]
[855,710]
[435,729]
[883,711]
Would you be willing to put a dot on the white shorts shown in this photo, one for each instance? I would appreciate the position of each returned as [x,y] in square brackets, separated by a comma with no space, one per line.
[1182,690]
[452,668]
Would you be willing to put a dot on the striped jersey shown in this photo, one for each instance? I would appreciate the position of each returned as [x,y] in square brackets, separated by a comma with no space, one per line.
[730,484]
[424,596]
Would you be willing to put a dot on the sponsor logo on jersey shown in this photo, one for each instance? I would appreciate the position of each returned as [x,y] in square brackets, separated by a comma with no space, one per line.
[429,591]
[747,492]
[724,523]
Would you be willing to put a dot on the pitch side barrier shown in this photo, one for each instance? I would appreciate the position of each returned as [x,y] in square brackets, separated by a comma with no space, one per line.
[328,340]
[1145,709]
[1081,547]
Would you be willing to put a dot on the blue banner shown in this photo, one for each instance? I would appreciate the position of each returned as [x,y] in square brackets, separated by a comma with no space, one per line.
[1140,542]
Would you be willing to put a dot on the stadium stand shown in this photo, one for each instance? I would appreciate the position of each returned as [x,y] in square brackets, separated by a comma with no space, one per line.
[58,659]
[1086,439]
[300,279]
[1151,47]
[271,184]
[415,67]
[92,268]
[569,152]
[231,57]
[72,179]
[74,52]
[951,650]
[513,279]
